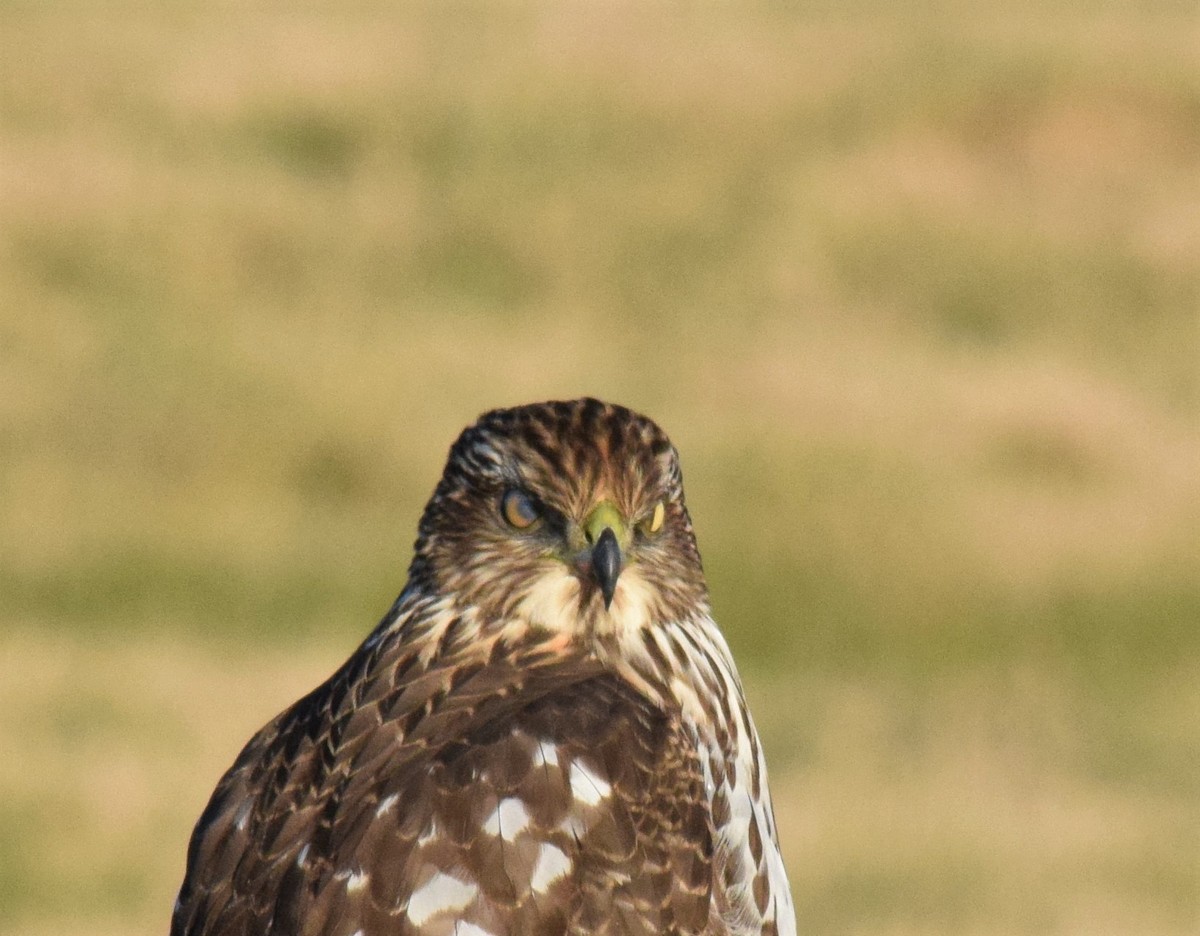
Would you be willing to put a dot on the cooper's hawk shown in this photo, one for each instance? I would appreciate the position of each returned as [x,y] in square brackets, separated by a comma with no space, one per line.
[545,734]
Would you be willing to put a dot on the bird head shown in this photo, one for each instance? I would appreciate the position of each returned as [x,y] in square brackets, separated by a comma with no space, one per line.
[568,515]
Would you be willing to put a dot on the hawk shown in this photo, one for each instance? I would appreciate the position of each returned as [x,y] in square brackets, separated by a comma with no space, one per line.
[545,734]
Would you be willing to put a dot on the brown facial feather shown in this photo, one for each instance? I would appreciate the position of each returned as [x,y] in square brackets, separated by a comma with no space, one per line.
[475,769]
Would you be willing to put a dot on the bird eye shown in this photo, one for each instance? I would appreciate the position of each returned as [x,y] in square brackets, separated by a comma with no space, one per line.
[519,509]
[654,522]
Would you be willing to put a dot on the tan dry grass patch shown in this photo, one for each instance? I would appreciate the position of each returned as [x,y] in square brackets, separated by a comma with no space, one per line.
[1048,466]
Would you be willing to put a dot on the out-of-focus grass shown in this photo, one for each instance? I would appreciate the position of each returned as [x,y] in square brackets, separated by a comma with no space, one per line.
[915,293]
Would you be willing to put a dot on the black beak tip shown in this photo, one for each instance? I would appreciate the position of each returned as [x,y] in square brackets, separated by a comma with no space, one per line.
[606,564]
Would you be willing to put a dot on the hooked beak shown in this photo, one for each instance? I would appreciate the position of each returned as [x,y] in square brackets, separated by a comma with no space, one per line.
[606,564]
[603,528]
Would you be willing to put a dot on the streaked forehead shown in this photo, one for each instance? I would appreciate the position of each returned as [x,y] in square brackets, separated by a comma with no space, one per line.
[575,447]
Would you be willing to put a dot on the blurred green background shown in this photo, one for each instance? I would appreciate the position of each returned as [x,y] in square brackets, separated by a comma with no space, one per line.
[914,288]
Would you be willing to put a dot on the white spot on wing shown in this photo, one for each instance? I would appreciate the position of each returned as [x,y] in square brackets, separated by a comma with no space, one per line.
[509,819]
[440,894]
[302,857]
[243,814]
[546,753]
[574,826]
[428,835]
[552,863]
[586,786]
[357,881]
[386,804]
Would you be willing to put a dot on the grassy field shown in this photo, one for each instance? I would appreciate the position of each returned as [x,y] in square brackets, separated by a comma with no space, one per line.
[914,290]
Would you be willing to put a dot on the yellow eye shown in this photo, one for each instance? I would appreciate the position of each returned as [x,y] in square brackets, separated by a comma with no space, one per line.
[655,521]
[519,509]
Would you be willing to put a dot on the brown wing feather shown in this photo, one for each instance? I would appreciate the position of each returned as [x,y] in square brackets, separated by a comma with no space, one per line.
[382,808]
